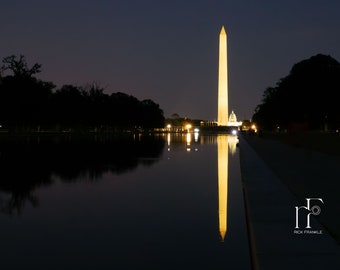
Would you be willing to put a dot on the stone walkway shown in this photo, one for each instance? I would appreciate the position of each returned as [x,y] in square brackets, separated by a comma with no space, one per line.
[270,205]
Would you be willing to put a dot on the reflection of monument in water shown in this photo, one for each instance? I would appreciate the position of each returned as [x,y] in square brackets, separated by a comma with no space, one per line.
[224,143]
[222,149]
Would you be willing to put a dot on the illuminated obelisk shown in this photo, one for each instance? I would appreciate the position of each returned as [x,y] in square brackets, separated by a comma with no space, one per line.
[222,117]
[222,150]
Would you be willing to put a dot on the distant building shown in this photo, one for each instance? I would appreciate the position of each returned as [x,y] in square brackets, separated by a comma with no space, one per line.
[233,120]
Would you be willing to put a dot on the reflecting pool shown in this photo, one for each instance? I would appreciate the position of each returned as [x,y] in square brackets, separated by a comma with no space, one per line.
[171,201]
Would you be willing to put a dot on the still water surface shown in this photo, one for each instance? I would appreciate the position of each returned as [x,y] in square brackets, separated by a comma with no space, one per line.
[162,202]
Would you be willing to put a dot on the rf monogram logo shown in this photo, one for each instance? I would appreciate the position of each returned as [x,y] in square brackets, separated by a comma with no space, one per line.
[311,210]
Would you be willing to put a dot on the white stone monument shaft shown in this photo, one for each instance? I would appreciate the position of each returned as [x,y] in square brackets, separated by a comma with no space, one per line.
[222,117]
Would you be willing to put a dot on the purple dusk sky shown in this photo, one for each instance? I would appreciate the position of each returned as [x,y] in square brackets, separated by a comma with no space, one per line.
[168,50]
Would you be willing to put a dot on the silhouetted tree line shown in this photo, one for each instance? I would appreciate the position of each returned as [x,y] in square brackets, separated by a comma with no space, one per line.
[29,162]
[305,99]
[30,104]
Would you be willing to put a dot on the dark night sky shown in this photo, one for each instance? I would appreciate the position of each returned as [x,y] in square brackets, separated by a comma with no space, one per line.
[168,50]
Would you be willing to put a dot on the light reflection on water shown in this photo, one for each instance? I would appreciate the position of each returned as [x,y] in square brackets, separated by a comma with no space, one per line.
[166,210]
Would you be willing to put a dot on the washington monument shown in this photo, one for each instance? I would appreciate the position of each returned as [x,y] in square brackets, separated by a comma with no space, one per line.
[222,117]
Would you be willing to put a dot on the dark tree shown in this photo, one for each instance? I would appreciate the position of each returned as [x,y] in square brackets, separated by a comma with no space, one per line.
[23,98]
[67,107]
[151,114]
[306,97]
[19,66]
[29,104]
